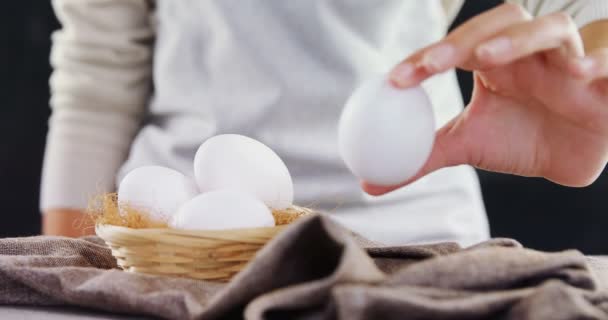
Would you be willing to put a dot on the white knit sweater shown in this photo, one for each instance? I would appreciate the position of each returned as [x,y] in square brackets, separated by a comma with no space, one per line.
[278,71]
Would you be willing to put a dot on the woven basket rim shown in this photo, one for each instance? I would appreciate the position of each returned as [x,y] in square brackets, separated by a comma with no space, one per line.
[201,233]
[215,255]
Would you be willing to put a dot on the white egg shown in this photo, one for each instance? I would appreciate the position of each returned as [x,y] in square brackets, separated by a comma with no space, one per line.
[157,190]
[231,161]
[222,209]
[386,134]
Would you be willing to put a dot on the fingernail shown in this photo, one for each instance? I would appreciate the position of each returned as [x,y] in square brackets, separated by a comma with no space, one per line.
[402,73]
[438,57]
[586,64]
[494,48]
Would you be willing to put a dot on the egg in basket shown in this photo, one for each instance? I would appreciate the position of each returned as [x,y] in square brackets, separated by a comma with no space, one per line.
[162,222]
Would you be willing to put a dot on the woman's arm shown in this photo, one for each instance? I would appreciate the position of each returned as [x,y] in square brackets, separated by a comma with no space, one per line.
[582,12]
[100,85]
[589,16]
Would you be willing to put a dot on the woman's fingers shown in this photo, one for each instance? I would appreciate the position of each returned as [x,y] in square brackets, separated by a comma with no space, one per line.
[498,37]
[457,49]
[554,31]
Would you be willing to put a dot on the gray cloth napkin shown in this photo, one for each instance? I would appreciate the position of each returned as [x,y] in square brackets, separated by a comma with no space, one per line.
[315,269]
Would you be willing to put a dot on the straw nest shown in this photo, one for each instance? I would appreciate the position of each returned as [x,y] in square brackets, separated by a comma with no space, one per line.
[141,244]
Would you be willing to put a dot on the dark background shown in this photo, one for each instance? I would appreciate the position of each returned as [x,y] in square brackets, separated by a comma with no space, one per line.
[540,214]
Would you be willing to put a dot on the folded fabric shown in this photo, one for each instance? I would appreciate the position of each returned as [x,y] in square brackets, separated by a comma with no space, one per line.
[315,269]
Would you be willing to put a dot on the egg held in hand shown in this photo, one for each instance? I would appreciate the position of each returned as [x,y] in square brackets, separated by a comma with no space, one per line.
[222,209]
[156,190]
[231,161]
[385,134]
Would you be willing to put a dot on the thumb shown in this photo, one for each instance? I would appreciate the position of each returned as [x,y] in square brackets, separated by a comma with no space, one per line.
[448,150]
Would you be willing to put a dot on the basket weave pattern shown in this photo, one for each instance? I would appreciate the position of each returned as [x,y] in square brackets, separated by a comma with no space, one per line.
[207,255]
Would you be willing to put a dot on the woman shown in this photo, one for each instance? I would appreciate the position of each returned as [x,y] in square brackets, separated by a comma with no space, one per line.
[280,72]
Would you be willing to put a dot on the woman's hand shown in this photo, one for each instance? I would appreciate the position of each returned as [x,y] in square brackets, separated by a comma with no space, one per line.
[539,105]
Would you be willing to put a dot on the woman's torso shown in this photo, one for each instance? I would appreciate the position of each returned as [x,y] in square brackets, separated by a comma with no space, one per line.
[280,72]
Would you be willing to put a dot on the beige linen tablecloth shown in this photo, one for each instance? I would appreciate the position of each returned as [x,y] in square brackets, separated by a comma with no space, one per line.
[317,270]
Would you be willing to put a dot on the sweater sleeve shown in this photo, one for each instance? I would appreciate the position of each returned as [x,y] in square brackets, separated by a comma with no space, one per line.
[582,12]
[99,88]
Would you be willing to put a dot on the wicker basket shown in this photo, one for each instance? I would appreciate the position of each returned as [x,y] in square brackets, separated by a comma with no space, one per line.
[207,255]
